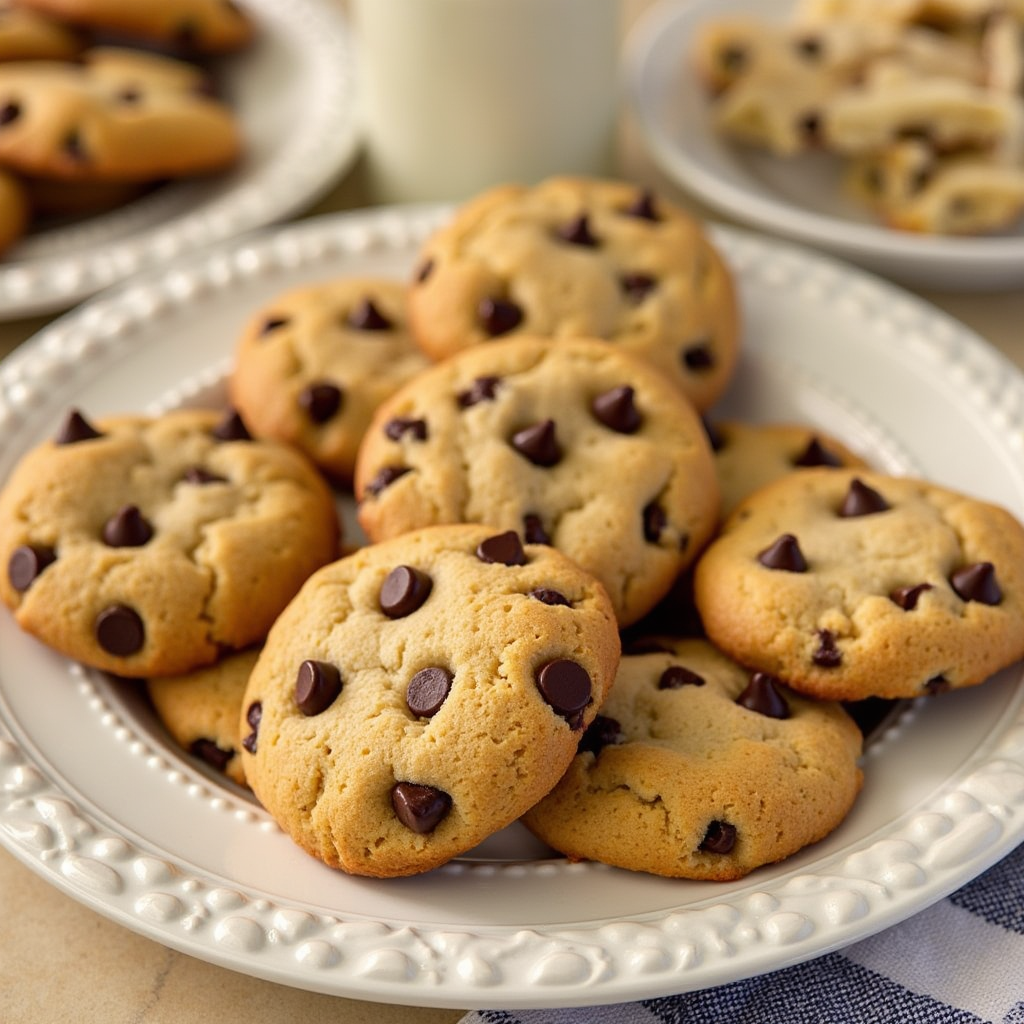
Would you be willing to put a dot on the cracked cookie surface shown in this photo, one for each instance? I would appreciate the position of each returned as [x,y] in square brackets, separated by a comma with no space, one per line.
[575,444]
[420,694]
[696,769]
[145,546]
[849,584]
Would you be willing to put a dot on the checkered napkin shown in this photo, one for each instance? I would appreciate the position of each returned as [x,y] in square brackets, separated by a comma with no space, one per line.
[959,962]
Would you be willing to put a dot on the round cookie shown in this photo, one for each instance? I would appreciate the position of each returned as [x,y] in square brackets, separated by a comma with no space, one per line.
[314,363]
[576,444]
[849,584]
[577,257]
[14,210]
[749,455]
[696,769]
[148,546]
[30,35]
[200,710]
[422,693]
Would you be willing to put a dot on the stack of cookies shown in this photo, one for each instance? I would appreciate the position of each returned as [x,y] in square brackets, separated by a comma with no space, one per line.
[579,604]
[922,101]
[86,125]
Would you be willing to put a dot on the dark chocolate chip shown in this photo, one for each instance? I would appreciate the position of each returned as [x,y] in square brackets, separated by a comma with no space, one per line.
[698,356]
[367,317]
[483,389]
[565,685]
[907,597]
[428,690]
[644,207]
[577,232]
[317,685]
[74,148]
[809,47]
[816,454]
[397,428]
[385,478]
[403,591]
[548,596]
[538,444]
[499,316]
[861,500]
[272,323]
[720,837]
[937,684]
[810,126]
[654,520]
[762,695]
[129,95]
[602,732]
[75,428]
[533,530]
[198,475]
[675,677]
[419,808]
[783,553]
[425,269]
[26,563]
[127,528]
[502,549]
[119,630]
[208,751]
[636,287]
[9,112]
[320,400]
[231,428]
[617,410]
[977,582]
[253,717]
[827,654]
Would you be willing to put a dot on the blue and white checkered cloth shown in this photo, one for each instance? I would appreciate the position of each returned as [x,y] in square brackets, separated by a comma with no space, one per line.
[960,961]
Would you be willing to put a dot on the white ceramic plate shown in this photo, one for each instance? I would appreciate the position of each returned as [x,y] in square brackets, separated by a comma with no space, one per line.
[294,94]
[97,800]
[799,198]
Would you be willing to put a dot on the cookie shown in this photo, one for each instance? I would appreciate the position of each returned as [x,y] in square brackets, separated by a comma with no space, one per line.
[94,122]
[849,584]
[201,709]
[750,455]
[576,257]
[696,768]
[148,546]
[30,35]
[422,693]
[14,210]
[314,363]
[186,26]
[574,444]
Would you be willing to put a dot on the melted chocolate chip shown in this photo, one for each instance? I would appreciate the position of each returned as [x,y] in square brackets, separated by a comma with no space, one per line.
[861,500]
[317,686]
[502,549]
[127,528]
[827,654]
[907,597]
[403,591]
[977,582]
[9,112]
[617,410]
[499,316]
[427,691]
[119,630]
[385,478]
[367,317]
[783,553]
[538,444]
[654,520]
[762,695]
[198,475]
[548,596]
[208,751]
[320,400]
[636,287]
[75,428]
[675,677]
[644,207]
[937,684]
[425,269]
[565,685]
[419,808]
[577,232]
[272,323]
[483,389]
[720,837]
[26,563]
[397,428]
[698,357]
[816,454]
[533,530]
[602,732]
[231,428]
[253,717]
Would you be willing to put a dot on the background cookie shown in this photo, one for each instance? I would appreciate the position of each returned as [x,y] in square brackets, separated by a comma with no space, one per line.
[696,769]
[849,584]
[575,444]
[31,35]
[313,365]
[147,546]
[575,257]
[422,693]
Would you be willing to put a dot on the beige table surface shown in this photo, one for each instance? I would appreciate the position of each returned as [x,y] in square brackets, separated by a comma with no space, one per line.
[61,961]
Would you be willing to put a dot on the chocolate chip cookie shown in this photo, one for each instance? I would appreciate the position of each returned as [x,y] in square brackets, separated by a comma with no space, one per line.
[422,693]
[14,210]
[574,444]
[575,257]
[696,768]
[148,546]
[31,35]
